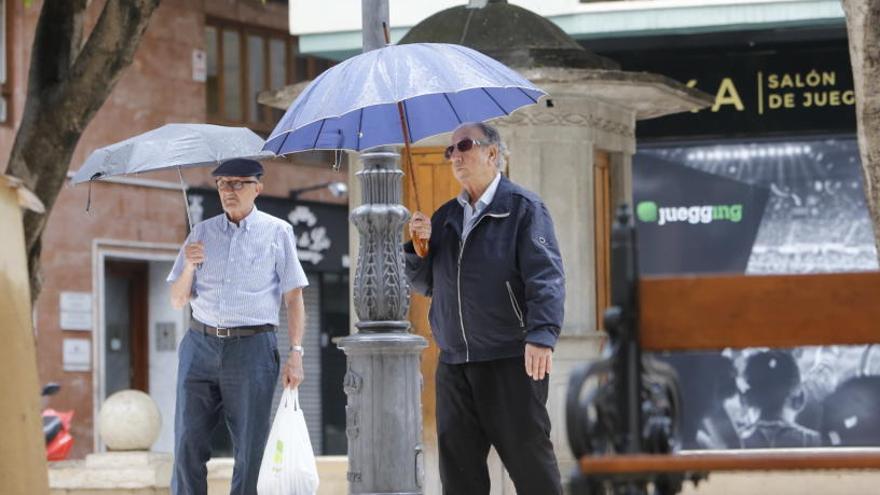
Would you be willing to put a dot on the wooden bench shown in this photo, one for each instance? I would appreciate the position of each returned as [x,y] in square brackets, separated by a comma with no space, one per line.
[700,313]
[734,460]
[737,311]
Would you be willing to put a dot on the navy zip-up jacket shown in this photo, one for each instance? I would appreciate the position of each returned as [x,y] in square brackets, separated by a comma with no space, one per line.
[502,287]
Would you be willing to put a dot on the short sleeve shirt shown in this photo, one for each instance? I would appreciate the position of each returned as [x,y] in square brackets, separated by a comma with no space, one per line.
[247,269]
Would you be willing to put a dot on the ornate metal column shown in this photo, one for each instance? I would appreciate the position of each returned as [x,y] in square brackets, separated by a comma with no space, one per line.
[383,383]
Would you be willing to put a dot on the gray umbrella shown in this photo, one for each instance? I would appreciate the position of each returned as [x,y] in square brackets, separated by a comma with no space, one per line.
[172,146]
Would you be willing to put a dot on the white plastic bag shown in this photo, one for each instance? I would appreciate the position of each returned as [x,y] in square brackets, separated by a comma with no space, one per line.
[288,466]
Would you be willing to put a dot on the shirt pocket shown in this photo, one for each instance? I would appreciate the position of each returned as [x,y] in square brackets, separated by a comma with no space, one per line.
[259,270]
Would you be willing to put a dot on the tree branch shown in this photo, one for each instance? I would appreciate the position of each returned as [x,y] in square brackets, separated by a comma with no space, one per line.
[59,30]
[108,51]
[67,86]
[56,43]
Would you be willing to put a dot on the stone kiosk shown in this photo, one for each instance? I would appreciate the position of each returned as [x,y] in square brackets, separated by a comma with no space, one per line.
[574,149]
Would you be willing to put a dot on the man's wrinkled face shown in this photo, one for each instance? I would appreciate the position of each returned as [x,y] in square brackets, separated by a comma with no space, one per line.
[237,194]
[475,166]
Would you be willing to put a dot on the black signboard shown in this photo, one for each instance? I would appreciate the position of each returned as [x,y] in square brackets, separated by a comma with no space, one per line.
[768,91]
[691,221]
[321,229]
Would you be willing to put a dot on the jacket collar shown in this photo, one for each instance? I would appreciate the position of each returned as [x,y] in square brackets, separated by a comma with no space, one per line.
[502,202]
[487,197]
[499,207]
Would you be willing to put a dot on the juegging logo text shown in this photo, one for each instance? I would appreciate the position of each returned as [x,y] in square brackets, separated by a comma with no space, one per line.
[648,211]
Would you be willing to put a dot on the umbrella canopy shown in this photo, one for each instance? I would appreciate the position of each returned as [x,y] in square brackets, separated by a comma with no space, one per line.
[353,105]
[172,146]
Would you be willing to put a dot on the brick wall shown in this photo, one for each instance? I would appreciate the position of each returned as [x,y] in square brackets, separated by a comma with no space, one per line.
[156,89]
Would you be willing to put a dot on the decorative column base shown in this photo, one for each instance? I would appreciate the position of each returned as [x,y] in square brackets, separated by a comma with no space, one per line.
[384,412]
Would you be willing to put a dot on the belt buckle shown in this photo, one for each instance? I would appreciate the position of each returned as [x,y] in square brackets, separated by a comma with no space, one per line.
[219,332]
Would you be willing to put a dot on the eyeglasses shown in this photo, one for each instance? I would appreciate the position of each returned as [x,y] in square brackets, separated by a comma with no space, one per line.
[463,146]
[234,185]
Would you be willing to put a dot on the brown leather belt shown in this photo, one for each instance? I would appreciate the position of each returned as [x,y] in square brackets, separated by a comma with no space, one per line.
[223,333]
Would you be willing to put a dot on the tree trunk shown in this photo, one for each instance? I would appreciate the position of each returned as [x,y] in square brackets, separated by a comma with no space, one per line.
[863,30]
[68,82]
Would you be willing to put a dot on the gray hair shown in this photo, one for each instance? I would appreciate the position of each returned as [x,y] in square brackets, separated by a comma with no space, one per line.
[492,137]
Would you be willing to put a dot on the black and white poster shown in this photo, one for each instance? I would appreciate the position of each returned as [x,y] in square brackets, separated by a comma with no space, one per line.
[763,207]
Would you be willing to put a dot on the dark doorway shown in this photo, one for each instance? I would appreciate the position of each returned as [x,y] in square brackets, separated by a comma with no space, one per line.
[335,316]
[126,340]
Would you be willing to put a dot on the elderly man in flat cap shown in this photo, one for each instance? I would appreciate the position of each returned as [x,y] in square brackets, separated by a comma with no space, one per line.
[234,270]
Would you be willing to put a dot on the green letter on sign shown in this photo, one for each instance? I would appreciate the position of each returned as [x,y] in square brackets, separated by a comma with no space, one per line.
[646,211]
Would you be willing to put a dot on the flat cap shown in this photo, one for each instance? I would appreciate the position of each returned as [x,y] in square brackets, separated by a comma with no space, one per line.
[238,167]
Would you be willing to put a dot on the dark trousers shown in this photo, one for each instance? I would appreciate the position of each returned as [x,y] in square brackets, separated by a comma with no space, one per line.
[232,379]
[494,403]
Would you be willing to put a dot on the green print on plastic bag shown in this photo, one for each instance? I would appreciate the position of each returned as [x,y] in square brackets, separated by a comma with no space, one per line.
[279,454]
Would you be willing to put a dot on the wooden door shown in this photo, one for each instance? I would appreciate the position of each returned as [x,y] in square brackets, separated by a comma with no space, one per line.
[436,185]
[603,216]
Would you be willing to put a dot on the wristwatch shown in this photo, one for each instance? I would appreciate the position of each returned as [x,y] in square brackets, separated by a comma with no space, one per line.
[297,348]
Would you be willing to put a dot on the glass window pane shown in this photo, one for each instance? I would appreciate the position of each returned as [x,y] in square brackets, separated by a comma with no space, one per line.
[278,67]
[232,74]
[256,76]
[277,71]
[213,80]
[297,63]
[291,61]
[302,68]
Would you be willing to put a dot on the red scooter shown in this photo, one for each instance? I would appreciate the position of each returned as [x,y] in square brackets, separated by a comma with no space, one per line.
[56,427]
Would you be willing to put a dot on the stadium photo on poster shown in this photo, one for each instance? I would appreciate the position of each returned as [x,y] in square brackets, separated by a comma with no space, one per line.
[763,207]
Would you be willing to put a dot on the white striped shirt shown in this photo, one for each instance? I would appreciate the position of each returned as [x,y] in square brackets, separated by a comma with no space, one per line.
[247,269]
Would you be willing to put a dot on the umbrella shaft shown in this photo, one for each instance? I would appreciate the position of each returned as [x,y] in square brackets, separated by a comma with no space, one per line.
[185,200]
[408,155]
[420,245]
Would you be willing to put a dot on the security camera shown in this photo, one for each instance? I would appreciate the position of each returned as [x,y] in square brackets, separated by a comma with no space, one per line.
[338,189]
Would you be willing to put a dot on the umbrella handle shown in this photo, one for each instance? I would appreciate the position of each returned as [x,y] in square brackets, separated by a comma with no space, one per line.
[421,247]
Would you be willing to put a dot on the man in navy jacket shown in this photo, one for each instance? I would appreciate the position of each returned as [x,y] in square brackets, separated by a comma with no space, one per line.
[494,273]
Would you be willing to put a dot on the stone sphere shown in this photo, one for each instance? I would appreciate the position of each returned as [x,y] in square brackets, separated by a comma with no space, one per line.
[129,420]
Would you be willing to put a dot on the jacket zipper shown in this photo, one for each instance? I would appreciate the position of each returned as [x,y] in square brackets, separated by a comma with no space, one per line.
[516,310]
[467,350]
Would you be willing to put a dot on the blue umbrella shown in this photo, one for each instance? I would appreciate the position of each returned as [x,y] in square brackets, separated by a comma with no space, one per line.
[354,105]
[396,95]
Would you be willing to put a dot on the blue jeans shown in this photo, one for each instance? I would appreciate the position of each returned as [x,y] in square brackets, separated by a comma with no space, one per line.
[231,378]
